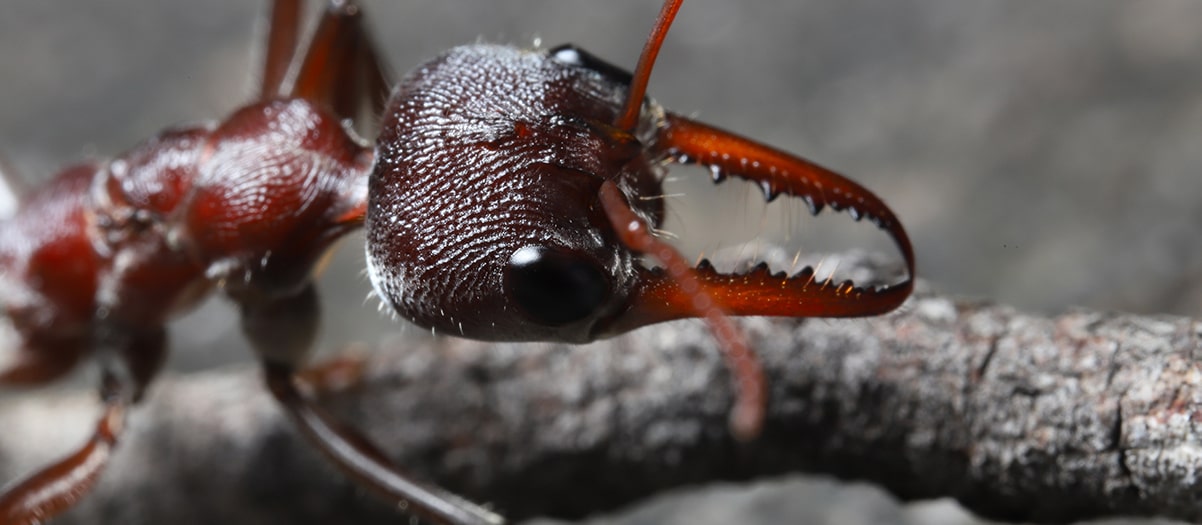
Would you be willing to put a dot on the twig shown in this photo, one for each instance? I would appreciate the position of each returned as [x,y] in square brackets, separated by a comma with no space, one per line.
[1019,417]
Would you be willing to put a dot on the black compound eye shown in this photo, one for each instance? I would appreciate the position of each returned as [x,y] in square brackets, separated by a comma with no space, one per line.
[575,56]
[555,286]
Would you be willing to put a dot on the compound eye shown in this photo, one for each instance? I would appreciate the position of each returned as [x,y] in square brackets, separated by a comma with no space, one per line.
[574,56]
[555,286]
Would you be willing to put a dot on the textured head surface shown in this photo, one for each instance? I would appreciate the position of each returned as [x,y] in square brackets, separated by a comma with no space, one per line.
[487,150]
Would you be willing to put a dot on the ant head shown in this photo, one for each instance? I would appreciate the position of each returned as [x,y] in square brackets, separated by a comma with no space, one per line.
[515,191]
[484,219]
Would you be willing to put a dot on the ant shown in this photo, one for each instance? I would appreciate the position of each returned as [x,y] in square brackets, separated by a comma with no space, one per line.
[511,194]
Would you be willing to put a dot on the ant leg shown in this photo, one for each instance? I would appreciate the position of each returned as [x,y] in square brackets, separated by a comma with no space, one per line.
[339,373]
[377,80]
[342,71]
[365,463]
[57,487]
[281,331]
[282,34]
[36,365]
[341,68]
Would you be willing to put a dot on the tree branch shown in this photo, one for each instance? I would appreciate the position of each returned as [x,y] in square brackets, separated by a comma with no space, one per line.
[1018,417]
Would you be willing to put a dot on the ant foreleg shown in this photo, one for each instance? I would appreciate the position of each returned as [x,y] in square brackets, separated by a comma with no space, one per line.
[283,33]
[35,365]
[343,371]
[365,463]
[57,487]
[281,330]
[341,69]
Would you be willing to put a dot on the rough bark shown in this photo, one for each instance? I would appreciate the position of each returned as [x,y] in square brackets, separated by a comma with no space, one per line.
[1017,416]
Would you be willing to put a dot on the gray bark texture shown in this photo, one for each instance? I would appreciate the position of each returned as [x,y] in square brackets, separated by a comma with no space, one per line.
[1018,417]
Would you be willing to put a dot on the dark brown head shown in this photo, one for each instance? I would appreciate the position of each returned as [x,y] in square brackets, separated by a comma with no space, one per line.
[483,218]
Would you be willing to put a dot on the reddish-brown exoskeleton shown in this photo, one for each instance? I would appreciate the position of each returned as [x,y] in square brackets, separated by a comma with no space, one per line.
[510,196]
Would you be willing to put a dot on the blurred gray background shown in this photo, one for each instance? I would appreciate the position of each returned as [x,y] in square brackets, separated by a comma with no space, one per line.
[1043,153]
